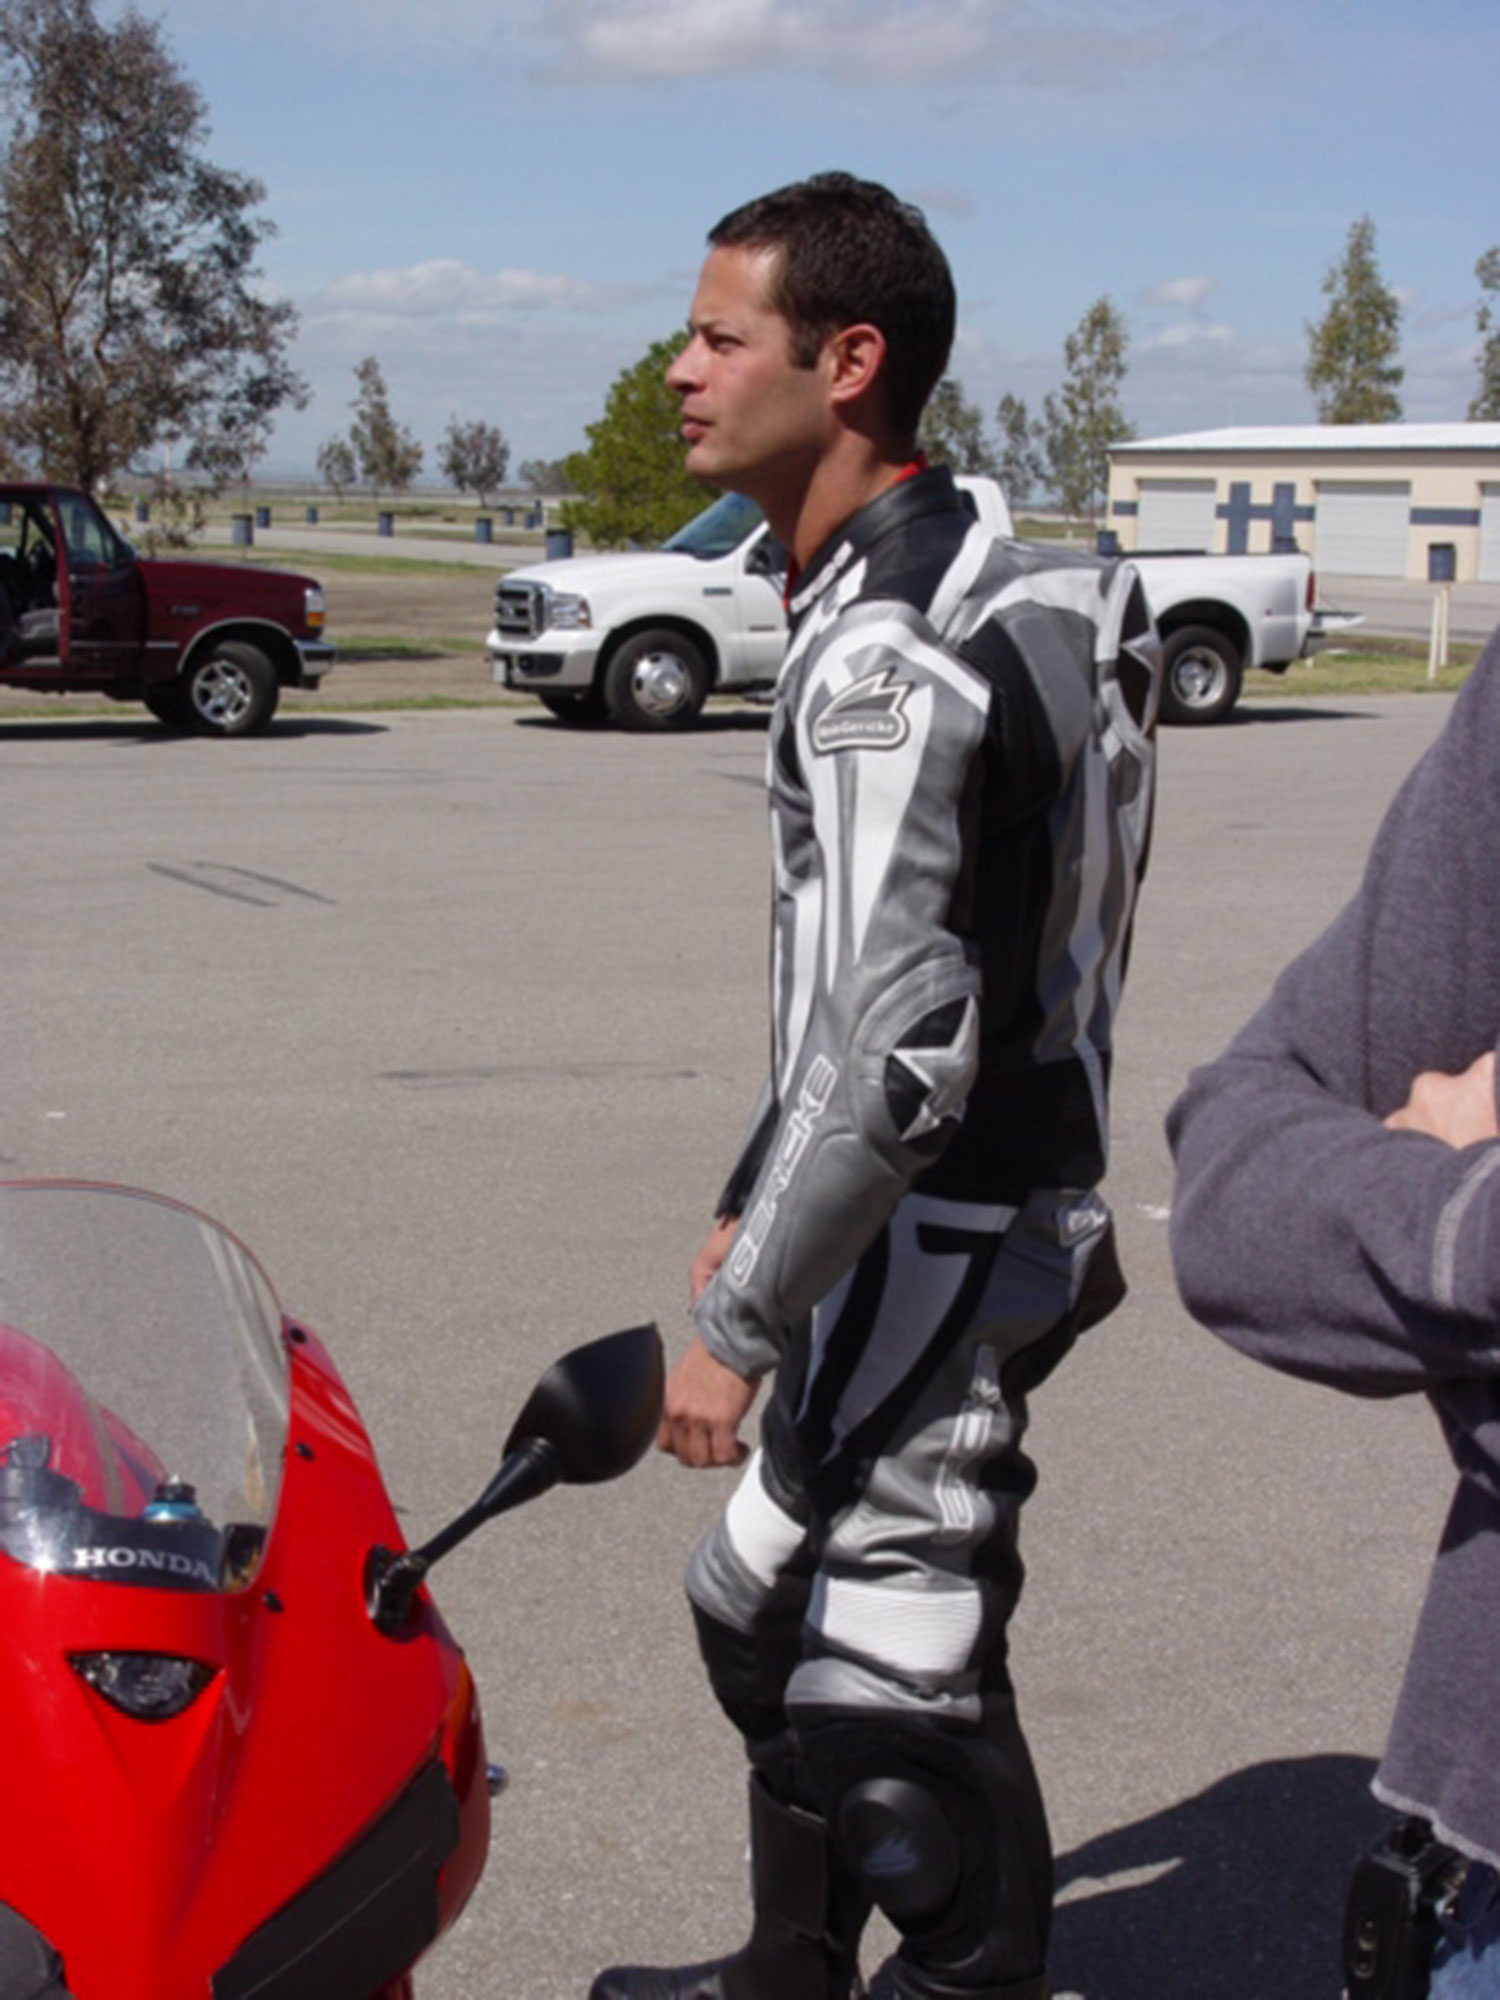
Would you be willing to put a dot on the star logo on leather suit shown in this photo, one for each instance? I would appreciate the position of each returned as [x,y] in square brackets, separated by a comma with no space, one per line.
[938,1073]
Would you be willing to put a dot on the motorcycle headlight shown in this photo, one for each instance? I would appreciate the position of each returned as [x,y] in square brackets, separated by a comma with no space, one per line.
[152,1687]
[568,612]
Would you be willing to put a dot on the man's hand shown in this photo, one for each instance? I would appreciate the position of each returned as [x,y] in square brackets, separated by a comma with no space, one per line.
[704,1407]
[1460,1110]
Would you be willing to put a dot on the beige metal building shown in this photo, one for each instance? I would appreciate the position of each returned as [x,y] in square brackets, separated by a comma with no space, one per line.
[1400,500]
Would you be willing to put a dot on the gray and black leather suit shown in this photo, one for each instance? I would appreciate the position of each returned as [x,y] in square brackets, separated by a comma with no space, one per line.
[960,769]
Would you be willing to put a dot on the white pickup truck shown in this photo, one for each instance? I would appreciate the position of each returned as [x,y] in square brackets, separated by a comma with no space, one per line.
[645,638]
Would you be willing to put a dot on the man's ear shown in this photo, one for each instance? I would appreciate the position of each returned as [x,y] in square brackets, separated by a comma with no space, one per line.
[857,355]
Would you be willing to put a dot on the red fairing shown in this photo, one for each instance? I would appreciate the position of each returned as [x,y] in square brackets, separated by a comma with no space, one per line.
[147,1852]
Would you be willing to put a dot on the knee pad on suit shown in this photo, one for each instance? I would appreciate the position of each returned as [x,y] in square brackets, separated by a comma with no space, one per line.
[945,1830]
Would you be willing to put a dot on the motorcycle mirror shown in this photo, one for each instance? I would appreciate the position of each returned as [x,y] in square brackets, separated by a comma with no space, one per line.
[589,1419]
[597,1408]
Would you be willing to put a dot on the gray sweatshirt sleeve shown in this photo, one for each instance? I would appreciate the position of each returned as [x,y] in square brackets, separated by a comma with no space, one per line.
[1303,1231]
[878,1067]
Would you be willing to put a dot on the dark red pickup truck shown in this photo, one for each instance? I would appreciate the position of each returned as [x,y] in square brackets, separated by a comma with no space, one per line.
[204,645]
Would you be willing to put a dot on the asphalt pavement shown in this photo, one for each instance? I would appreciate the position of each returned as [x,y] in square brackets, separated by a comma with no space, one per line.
[457,1019]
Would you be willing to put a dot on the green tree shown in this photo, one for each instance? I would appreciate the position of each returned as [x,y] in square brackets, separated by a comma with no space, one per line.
[1082,421]
[1352,369]
[1485,407]
[630,475]
[1021,466]
[130,313]
[544,475]
[336,465]
[952,430]
[388,454]
[230,442]
[474,457]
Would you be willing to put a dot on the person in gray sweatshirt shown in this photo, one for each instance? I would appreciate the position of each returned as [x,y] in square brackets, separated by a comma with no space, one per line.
[1337,1216]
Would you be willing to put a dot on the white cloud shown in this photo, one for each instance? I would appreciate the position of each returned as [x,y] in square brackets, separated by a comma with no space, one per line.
[941,200]
[541,380]
[1073,46]
[1067,45]
[1182,294]
[443,287]
[1190,333]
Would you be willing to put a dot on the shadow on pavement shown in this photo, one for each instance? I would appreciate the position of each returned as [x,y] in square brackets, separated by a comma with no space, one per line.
[1317,709]
[1237,1894]
[151,735]
[711,722]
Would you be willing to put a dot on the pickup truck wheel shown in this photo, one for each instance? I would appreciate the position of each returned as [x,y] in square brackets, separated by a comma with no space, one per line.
[167,701]
[231,689]
[1201,675]
[655,680]
[579,711]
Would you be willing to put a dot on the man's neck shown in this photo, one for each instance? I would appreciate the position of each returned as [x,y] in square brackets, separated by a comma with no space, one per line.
[841,483]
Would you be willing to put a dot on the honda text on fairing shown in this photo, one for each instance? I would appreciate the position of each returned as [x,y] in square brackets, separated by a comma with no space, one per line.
[243,1751]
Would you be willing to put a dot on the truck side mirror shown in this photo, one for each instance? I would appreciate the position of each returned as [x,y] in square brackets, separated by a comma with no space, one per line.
[767,558]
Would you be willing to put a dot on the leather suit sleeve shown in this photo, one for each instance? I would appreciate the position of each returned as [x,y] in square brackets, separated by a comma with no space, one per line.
[880,1017]
[736,1190]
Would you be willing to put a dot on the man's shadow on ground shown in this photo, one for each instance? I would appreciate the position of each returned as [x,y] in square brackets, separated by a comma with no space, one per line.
[1237,1894]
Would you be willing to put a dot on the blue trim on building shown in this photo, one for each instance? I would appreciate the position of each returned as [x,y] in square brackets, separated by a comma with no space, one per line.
[1445,517]
[1238,515]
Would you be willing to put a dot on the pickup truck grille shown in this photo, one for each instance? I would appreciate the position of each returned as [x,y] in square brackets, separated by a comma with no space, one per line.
[520,610]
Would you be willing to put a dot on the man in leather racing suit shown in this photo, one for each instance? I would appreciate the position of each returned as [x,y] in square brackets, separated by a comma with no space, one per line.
[960,767]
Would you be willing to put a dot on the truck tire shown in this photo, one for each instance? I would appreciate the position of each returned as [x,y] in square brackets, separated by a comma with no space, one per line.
[579,711]
[1201,675]
[230,689]
[656,679]
[167,701]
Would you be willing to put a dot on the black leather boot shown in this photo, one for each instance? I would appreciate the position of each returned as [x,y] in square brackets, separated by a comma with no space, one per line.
[802,1944]
[895,1981]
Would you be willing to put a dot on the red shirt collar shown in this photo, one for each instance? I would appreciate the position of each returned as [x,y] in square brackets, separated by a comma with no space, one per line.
[794,569]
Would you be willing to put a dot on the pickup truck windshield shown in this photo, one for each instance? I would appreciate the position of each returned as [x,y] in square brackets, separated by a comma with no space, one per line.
[718,530]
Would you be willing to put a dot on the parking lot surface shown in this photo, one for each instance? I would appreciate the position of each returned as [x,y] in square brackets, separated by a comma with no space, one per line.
[457,1018]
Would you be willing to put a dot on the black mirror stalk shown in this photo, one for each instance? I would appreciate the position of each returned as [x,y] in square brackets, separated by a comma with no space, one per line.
[590,1418]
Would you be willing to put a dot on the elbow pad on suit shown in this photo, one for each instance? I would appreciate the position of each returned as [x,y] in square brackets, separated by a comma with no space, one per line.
[852,1140]
[915,1056]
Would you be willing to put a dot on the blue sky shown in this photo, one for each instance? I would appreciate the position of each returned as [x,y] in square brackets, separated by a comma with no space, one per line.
[505,200]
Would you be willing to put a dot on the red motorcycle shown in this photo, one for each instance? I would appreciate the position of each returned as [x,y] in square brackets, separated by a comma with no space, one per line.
[196,1553]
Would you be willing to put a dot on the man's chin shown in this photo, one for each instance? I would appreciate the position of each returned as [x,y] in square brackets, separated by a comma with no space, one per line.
[702,463]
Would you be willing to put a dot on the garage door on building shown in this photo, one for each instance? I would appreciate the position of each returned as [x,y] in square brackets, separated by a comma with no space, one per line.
[1362,527]
[1176,514]
[1489,534]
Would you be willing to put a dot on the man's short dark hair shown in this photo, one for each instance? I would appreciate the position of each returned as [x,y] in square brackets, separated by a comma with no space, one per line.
[850,252]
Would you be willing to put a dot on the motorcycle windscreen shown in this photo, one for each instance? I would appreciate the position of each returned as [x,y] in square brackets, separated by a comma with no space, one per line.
[143,1390]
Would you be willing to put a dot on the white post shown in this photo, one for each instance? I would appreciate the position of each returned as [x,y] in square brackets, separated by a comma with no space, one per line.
[1437,646]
